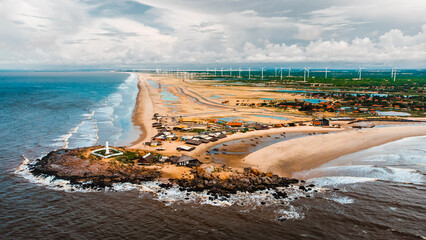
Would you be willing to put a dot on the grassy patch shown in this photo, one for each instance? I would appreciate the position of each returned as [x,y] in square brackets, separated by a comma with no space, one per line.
[128,157]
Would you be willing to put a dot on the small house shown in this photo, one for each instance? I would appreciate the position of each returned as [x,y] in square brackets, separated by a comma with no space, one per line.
[163,159]
[321,122]
[193,142]
[260,127]
[188,161]
[173,159]
[147,159]
[185,148]
[235,124]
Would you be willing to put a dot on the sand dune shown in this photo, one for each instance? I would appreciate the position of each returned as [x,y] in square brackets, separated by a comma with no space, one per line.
[287,157]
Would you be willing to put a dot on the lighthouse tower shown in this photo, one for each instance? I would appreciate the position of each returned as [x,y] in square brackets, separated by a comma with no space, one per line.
[107,148]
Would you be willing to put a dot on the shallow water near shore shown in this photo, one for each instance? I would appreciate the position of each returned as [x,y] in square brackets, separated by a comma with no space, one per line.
[381,190]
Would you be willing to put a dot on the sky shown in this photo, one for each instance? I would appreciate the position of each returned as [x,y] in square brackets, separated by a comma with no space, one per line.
[37,34]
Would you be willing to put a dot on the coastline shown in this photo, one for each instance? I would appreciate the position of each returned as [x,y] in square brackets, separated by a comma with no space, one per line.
[143,112]
[288,157]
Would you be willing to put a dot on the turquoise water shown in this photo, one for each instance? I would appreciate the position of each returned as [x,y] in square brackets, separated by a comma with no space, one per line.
[67,109]
[269,99]
[370,94]
[153,84]
[216,97]
[230,119]
[165,94]
[273,117]
[392,113]
[314,100]
[286,91]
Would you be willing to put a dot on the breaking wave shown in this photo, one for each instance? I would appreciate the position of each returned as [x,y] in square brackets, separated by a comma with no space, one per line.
[109,121]
[401,161]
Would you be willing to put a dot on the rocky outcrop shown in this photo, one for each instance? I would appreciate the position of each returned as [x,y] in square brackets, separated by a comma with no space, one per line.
[249,181]
[99,173]
[64,164]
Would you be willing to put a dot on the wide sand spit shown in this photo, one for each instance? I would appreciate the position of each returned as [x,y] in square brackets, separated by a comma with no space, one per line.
[285,158]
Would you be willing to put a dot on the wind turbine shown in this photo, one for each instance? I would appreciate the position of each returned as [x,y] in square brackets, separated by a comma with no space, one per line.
[215,72]
[304,74]
[360,73]
[326,72]
[249,72]
[281,73]
[230,72]
[308,72]
[262,73]
[394,73]
[289,72]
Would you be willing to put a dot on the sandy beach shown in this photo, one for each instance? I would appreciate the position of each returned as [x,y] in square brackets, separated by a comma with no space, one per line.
[295,155]
[143,111]
[199,151]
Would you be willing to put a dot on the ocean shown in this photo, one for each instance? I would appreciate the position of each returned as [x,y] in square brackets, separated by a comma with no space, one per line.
[378,193]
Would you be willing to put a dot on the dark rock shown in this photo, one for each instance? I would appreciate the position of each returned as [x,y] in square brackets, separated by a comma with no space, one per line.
[63,164]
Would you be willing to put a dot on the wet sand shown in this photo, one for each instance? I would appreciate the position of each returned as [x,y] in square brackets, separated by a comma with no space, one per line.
[231,153]
[295,155]
[200,150]
[143,112]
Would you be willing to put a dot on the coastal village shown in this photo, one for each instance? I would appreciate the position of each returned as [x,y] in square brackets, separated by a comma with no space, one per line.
[207,135]
[198,132]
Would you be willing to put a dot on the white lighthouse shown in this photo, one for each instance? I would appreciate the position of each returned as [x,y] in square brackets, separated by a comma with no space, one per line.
[109,152]
[106,148]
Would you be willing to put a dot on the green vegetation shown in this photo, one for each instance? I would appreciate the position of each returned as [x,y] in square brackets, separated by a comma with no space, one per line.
[128,157]
[112,151]
[375,91]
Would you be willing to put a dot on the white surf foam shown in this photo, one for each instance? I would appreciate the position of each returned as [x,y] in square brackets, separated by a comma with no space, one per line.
[173,195]
[246,201]
[50,182]
[290,212]
[342,200]
[339,180]
[398,161]
[67,136]
[86,132]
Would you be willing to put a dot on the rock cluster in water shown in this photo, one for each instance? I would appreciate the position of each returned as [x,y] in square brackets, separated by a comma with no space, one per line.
[249,181]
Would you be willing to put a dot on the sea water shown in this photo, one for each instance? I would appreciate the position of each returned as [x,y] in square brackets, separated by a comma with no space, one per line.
[42,111]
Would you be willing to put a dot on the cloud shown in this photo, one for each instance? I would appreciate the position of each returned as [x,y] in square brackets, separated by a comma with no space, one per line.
[150,32]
